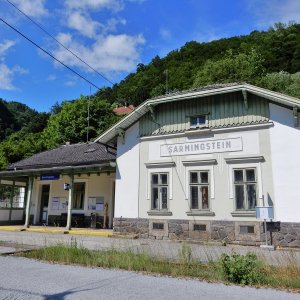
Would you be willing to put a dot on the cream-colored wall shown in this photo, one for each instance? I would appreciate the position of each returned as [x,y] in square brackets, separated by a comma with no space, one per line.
[96,186]
[255,142]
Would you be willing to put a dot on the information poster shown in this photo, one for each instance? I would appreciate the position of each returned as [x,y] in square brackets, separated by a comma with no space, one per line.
[92,203]
[96,203]
[55,204]
[63,204]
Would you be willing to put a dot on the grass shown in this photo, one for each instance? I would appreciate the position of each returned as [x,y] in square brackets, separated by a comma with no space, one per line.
[284,277]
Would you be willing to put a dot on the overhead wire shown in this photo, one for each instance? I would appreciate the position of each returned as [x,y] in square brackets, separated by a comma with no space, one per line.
[74,54]
[48,53]
[61,44]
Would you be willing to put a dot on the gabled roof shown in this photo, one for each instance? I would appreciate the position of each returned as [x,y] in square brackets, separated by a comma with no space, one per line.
[206,91]
[67,155]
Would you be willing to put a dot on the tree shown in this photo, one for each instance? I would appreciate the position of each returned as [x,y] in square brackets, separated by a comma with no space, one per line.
[246,67]
[282,82]
[71,125]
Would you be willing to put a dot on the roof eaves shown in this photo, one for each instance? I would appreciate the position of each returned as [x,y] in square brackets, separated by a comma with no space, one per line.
[271,95]
[51,170]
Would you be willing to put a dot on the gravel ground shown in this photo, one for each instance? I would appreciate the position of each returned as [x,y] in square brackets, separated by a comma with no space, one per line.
[29,279]
[158,248]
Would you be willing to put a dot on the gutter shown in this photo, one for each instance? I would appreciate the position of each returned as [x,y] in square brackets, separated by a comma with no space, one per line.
[66,169]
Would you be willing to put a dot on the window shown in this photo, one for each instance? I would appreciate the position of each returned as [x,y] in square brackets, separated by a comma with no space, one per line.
[198,121]
[246,229]
[199,187]
[78,195]
[245,188]
[159,191]
[158,226]
[19,197]
[11,196]
[199,227]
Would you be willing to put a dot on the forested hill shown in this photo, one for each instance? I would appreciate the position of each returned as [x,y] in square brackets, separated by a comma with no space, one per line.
[275,50]
[15,116]
[270,59]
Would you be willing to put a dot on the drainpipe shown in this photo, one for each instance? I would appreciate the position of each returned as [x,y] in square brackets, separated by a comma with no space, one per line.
[70,202]
[28,202]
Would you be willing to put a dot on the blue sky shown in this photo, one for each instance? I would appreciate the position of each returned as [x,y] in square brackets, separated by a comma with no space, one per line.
[113,36]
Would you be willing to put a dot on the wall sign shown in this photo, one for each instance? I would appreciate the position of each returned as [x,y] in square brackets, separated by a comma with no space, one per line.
[49,177]
[202,147]
[264,212]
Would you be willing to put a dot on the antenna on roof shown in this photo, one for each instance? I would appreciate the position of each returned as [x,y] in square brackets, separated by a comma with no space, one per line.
[88,117]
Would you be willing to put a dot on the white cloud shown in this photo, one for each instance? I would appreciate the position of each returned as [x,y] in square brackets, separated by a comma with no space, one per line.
[7,73]
[33,8]
[70,83]
[5,46]
[83,23]
[51,77]
[112,23]
[111,53]
[270,11]
[94,4]
[6,78]
[165,34]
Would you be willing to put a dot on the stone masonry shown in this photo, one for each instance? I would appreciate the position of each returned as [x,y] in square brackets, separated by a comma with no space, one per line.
[279,234]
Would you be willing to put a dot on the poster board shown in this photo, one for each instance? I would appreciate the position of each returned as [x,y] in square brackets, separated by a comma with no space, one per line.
[58,203]
[264,212]
[96,203]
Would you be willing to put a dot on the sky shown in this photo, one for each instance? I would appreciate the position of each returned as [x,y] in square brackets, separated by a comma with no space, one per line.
[112,36]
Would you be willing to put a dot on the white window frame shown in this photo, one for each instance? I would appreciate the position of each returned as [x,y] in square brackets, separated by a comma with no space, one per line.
[244,183]
[259,186]
[159,186]
[151,170]
[199,125]
[200,167]
[198,185]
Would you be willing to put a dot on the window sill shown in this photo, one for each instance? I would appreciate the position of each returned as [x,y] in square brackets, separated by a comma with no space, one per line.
[200,213]
[244,213]
[159,213]
[197,131]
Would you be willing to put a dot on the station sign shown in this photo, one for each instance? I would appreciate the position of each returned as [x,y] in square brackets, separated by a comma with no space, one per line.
[50,177]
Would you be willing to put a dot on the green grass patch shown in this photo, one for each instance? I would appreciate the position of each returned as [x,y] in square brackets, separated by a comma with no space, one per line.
[245,270]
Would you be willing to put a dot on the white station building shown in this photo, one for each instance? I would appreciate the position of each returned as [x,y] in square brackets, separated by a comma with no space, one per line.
[196,164]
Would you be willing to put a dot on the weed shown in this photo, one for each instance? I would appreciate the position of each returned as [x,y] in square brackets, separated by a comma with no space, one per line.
[185,254]
[236,268]
[242,269]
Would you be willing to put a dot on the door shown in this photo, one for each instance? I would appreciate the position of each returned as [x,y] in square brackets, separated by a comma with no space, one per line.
[44,203]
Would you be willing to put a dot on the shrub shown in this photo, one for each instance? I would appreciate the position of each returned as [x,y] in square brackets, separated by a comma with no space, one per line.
[242,269]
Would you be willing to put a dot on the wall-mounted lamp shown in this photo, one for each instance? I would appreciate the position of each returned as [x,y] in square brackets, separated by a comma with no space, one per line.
[66,186]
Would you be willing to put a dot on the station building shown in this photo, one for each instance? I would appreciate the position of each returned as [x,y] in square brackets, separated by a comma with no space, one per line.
[190,165]
[38,189]
[196,164]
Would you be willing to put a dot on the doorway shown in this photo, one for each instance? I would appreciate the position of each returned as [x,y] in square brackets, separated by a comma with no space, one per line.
[44,203]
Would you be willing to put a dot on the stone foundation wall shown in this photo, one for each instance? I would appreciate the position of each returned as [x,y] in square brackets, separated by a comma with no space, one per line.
[236,232]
